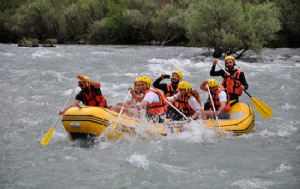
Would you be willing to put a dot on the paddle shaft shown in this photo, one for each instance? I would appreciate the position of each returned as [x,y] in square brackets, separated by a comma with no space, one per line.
[45,141]
[176,109]
[234,80]
[116,123]
[66,103]
[213,105]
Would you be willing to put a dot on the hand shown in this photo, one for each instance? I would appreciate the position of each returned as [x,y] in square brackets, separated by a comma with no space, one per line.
[215,62]
[189,120]
[163,75]
[61,112]
[217,113]
[242,87]
[80,77]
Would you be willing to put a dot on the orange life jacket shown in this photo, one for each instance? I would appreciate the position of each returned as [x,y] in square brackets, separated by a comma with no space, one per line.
[156,108]
[185,108]
[230,85]
[170,92]
[216,100]
[91,99]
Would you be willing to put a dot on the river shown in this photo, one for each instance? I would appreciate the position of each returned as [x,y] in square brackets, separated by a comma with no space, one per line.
[36,82]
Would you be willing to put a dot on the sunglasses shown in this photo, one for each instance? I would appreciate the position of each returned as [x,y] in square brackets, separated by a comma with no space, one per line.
[80,84]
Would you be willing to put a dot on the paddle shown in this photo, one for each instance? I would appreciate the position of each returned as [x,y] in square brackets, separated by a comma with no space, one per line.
[45,141]
[116,122]
[176,109]
[212,102]
[260,106]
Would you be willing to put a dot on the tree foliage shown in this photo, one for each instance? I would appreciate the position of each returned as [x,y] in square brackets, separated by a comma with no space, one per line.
[229,27]
[224,26]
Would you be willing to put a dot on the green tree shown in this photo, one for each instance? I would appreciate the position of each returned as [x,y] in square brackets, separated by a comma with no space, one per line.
[35,20]
[7,8]
[289,35]
[231,27]
[80,16]
[168,24]
[125,22]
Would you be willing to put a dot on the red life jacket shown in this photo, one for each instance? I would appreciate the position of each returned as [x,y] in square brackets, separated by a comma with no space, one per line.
[185,108]
[156,108]
[230,85]
[216,100]
[170,92]
[91,99]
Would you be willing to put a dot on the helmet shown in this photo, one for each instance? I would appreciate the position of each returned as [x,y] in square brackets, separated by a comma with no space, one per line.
[179,74]
[184,85]
[213,83]
[137,79]
[230,57]
[85,77]
[147,80]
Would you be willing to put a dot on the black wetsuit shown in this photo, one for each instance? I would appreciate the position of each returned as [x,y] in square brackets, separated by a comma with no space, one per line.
[171,113]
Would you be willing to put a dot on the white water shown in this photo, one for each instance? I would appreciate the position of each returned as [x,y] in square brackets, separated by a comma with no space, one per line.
[36,82]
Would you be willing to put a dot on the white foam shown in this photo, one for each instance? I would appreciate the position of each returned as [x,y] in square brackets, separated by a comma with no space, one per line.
[283,168]
[138,160]
[252,183]
[195,132]
[285,131]
[46,54]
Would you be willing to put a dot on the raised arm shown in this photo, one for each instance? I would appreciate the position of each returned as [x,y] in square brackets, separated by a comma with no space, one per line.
[213,71]
[96,84]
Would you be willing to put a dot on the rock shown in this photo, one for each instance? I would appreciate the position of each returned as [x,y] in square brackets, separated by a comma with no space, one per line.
[28,43]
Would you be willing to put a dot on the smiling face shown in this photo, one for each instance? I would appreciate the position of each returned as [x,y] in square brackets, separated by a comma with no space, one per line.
[143,86]
[137,86]
[182,92]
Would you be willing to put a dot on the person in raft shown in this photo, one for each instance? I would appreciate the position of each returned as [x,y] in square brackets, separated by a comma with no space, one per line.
[129,106]
[170,89]
[188,104]
[154,101]
[220,100]
[90,94]
[234,90]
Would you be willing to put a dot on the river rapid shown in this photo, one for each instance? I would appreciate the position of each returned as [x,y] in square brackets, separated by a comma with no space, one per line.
[36,82]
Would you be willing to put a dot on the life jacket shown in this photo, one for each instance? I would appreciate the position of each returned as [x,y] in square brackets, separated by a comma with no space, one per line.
[156,108]
[230,85]
[91,99]
[170,92]
[185,108]
[216,100]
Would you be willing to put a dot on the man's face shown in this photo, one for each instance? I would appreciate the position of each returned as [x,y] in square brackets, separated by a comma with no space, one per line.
[137,85]
[82,85]
[229,64]
[143,85]
[213,89]
[182,92]
[175,78]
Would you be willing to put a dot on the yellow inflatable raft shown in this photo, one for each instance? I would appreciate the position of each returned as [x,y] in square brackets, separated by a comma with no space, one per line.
[83,122]
[242,120]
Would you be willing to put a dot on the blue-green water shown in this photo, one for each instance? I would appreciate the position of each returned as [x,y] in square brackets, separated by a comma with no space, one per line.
[36,82]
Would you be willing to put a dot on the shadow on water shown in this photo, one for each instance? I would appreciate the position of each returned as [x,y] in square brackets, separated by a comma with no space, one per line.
[86,141]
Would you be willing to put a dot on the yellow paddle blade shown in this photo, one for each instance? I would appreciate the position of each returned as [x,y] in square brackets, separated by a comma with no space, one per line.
[116,122]
[262,108]
[45,141]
